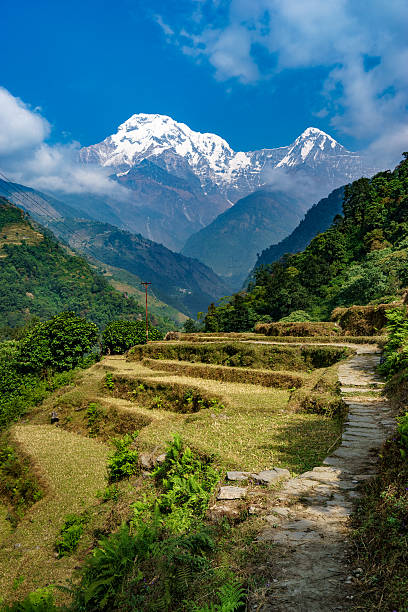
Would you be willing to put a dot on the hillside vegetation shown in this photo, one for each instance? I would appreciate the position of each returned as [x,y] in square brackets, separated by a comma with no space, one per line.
[183,283]
[317,220]
[230,243]
[40,278]
[362,258]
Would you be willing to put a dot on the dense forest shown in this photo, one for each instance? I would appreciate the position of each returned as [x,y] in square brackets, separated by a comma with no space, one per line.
[317,220]
[362,258]
[40,278]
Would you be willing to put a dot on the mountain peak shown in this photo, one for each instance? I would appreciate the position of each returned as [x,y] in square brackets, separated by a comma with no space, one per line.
[180,150]
[312,132]
[312,144]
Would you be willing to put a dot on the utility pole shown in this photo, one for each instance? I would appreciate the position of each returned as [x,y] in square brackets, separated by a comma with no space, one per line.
[147,324]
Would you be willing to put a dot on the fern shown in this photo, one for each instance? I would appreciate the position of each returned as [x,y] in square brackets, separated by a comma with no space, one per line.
[111,563]
[231,598]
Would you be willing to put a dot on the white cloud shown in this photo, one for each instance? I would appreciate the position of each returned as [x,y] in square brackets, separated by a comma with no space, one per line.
[20,127]
[27,158]
[339,35]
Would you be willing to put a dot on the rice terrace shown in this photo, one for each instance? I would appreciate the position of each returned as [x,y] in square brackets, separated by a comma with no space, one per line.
[204,306]
[238,436]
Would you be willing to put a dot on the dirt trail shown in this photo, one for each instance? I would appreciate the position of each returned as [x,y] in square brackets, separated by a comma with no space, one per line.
[309,523]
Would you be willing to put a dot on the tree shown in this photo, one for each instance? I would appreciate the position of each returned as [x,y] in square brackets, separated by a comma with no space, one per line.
[190,326]
[119,336]
[58,344]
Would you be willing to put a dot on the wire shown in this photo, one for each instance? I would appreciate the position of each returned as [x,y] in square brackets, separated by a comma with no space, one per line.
[61,220]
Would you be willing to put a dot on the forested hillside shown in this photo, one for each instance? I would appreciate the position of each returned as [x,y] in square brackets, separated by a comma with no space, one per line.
[317,220]
[230,243]
[39,278]
[184,283]
[362,257]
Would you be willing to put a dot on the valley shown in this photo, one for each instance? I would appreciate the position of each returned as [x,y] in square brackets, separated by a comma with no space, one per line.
[224,467]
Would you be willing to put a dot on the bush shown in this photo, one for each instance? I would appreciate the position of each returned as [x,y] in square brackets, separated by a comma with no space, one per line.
[41,600]
[17,484]
[124,461]
[58,344]
[70,534]
[119,336]
[296,316]
[361,320]
[396,349]
[300,328]
[188,482]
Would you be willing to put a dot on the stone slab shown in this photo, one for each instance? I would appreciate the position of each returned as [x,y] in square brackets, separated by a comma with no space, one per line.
[229,492]
[237,476]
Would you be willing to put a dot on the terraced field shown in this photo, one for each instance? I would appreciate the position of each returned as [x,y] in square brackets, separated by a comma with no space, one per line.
[245,410]
[72,468]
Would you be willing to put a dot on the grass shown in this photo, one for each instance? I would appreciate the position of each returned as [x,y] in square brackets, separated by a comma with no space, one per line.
[283,380]
[248,355]
[250,427]
[255,430]
[5,525]
[258,427]
[74,468]
[214,337]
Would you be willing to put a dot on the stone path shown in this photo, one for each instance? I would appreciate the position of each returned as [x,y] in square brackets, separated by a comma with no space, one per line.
[309,524]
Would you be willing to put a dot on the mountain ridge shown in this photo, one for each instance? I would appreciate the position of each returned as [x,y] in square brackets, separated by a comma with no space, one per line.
[212,159]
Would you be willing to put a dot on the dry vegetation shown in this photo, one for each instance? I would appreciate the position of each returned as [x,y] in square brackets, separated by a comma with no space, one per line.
[245,417]
[73,468]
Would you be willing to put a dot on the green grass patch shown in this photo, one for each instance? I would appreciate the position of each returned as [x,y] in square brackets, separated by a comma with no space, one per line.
[238,354]
[70,534]
[281,380]
[173,396]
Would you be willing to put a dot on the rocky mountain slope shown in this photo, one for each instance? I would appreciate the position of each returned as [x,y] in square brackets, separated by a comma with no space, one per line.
[180,180]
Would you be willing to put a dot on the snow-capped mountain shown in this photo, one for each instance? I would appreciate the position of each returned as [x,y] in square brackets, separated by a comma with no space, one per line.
[181,151]
[180,180]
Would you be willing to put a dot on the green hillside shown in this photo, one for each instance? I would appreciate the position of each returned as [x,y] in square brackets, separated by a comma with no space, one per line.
[40,278]
[317,220]
[361,258]
[184,283]
[231,243]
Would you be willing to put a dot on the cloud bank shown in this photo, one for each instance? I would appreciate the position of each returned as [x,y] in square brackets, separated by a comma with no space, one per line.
[362,46]
[27,158]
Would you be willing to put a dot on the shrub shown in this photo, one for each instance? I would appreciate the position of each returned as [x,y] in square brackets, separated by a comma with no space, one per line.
[106,570]
[361,320]
[297,328]
[94,414]
[231,598]
[396,349]
[403,433]
[58,344]
[17,484]
[124,461]
[70,534]
[296,316]
[41,600]
[119,336]
[187,480]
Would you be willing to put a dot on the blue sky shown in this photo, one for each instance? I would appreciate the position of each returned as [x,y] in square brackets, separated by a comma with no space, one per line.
[91,64]
[257,72]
